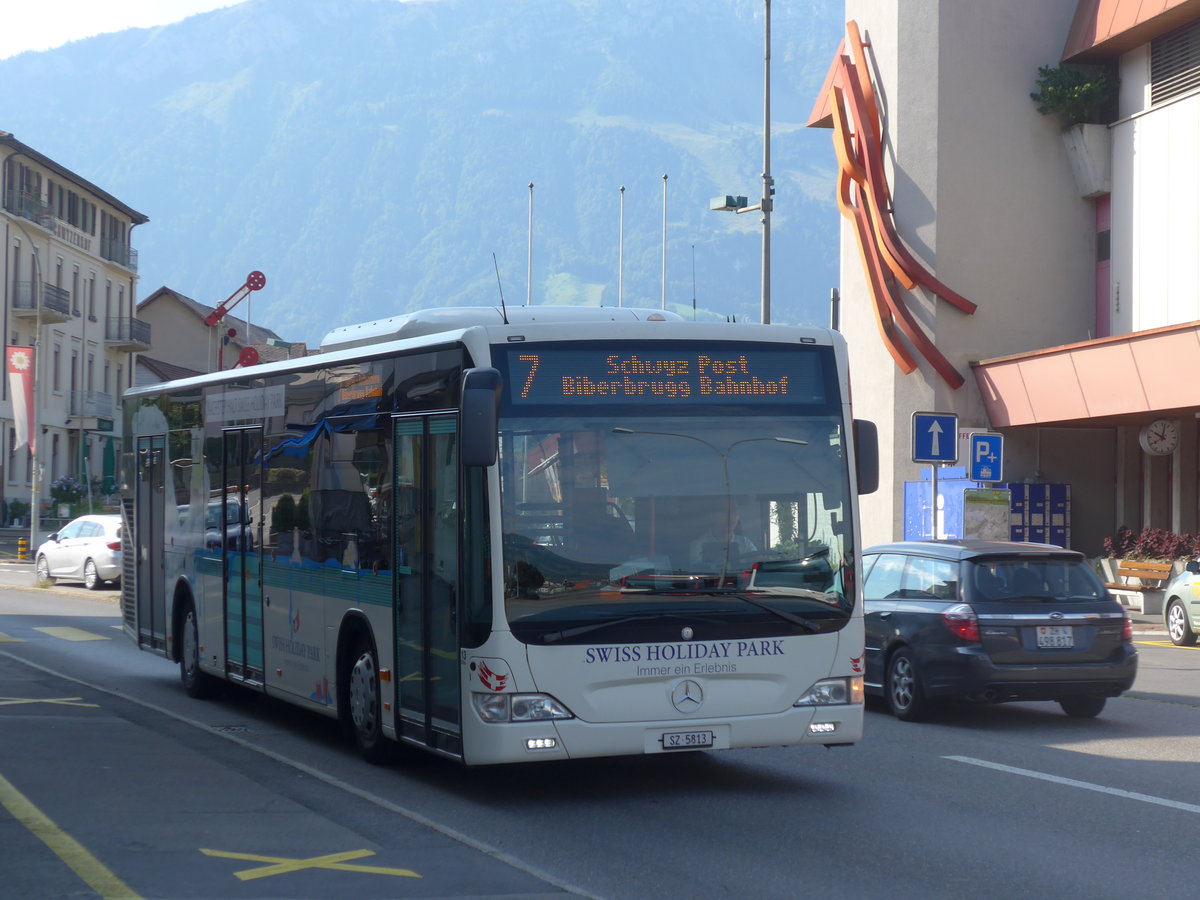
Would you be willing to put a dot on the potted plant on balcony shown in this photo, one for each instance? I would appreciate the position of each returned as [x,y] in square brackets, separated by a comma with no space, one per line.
[1079,95]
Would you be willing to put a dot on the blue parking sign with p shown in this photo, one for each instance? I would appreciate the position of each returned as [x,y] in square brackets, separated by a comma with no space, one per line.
[987,457]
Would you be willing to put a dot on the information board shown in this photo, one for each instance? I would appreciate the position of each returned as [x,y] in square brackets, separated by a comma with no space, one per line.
[662,374]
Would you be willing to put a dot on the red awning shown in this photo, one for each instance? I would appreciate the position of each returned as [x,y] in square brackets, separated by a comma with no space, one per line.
[1101,382]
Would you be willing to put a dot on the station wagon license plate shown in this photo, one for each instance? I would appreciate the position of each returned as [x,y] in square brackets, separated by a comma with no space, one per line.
[1055,637]
[687,740]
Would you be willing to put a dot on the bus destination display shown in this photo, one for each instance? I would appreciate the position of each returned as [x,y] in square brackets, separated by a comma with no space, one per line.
[549,375]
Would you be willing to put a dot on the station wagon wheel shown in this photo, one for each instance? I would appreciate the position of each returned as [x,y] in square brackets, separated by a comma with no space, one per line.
[43,571]
[366,722]
[1178,629]
[91,578]
[905,697]
[1083,706]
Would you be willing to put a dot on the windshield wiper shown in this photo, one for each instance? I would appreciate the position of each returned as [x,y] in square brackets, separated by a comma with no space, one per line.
[807,624]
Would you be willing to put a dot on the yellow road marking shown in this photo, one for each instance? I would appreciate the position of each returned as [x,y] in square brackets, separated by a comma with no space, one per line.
[6,639]
[70,851]
[282,864]
[1166,644]
[58,701]
[67,633]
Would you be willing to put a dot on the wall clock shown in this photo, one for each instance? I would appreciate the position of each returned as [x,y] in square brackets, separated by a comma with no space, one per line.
[1160,437]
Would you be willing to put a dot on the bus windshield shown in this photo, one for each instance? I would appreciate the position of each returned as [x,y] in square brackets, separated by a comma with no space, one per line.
[618,525]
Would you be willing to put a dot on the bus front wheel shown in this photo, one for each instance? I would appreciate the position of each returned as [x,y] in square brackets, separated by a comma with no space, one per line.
[196,683]
[366,722]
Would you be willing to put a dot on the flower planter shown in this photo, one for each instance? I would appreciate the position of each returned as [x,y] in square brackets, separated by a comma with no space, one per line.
[1089,151]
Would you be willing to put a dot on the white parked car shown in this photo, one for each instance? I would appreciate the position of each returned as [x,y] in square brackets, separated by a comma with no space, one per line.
[86,549]
[1182,610]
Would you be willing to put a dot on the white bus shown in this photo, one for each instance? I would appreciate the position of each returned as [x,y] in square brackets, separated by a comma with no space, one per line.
[503,536]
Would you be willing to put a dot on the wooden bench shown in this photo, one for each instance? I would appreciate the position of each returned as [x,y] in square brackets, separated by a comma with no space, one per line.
[1150,578]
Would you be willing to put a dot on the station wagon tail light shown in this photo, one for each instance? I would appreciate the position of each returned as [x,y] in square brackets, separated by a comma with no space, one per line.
[961,620]
[518,707]
[1126,628]
[113,545]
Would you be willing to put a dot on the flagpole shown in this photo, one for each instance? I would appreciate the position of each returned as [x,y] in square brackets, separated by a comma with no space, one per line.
[35,507]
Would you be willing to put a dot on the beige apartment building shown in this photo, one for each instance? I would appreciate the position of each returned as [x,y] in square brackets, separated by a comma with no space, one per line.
[68,282]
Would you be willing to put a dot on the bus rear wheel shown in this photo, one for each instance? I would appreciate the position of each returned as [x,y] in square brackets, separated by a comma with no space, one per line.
[365,719]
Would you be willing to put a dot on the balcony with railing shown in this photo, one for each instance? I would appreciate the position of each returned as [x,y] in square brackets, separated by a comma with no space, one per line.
[127,333]
[28,206]
[119,253]
[52,303]
[90,404]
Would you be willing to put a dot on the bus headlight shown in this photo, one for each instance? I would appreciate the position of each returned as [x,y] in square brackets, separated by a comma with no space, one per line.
[833,692]
[518,707]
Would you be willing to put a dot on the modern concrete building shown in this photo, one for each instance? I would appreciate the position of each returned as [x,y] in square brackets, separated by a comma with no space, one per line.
[68,281]
[1035,276]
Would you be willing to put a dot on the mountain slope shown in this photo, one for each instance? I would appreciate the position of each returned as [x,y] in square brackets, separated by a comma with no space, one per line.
[370,156]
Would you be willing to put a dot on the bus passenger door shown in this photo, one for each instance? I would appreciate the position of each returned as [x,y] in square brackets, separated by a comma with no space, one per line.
[427,530]
[148,522]
[232,525]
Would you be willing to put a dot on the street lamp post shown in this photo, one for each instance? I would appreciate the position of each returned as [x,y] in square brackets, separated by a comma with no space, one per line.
[35,289]
[729,203]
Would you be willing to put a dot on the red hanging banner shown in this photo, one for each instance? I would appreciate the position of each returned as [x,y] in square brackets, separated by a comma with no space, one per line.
[20,384]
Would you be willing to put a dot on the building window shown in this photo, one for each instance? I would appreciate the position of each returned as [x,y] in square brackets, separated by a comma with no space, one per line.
[75,290]
[106,366]
[54,472]
[1175,63]
[91,296]
[55,377]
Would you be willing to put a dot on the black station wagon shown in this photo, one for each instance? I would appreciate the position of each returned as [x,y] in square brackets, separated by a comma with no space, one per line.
[994,622]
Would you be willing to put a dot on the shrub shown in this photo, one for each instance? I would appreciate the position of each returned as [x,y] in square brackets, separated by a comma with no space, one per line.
[1075,92]
[68,489]
[1151,543]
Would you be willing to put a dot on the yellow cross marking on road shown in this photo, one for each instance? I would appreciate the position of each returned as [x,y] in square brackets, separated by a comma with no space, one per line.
[280,865]
[68,633]
[8,639]
[57,701]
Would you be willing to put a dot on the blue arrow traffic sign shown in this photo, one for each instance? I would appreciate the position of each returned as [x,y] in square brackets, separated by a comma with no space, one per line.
[987,457]
[934,437]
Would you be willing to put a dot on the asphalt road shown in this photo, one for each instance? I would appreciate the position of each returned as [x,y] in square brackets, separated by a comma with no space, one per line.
[243,797]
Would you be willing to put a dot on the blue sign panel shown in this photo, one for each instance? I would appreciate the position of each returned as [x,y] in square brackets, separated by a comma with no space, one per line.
[987,457]
[934,437]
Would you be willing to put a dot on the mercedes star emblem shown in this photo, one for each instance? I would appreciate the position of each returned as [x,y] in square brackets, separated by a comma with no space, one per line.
[688,696]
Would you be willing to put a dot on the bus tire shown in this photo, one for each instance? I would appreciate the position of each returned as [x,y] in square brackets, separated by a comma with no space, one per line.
[196,683]
[364,703]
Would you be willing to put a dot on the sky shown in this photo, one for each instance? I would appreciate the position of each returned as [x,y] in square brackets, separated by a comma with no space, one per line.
[46,24]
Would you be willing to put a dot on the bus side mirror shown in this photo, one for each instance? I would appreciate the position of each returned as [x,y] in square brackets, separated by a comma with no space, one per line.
[480,416]
[866,456]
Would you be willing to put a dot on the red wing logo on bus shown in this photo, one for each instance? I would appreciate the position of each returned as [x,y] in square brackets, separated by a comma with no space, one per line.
[856,665]
[492,680]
